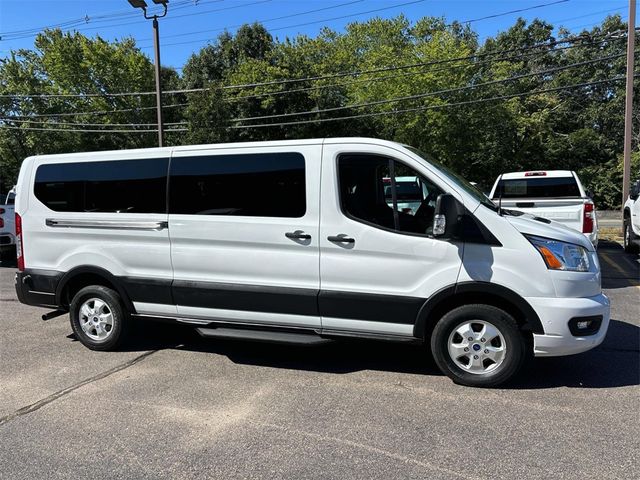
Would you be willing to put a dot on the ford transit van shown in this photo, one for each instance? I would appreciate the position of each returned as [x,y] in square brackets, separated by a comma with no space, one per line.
[299,241]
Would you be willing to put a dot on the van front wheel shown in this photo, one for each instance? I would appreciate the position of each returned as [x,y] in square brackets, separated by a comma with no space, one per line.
[97,318]
[478,345]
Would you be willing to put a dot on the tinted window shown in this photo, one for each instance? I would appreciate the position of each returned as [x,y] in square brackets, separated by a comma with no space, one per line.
[538,187]
[386,193]
[124,186]
[256,185]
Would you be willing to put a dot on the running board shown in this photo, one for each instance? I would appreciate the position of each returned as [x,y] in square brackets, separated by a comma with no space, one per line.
[270,336]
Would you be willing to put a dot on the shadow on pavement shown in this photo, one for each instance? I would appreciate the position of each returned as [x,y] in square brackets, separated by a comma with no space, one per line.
[613,364]
[619,269]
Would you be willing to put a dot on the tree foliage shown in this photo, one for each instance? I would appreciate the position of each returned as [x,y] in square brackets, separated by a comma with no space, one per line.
[242,76]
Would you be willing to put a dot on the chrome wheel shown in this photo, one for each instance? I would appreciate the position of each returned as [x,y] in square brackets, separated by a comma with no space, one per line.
[96,319]
[477,346]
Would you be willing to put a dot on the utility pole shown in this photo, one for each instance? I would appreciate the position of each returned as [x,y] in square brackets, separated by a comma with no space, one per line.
[156,47]
[628,106]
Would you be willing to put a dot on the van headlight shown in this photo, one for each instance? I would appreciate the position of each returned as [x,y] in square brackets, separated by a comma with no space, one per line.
[561,255]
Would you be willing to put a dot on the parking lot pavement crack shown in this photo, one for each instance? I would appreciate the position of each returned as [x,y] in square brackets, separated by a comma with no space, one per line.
[369,448]
[65,391]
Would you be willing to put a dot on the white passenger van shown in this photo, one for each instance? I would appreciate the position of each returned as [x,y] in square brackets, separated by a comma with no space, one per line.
[294,241]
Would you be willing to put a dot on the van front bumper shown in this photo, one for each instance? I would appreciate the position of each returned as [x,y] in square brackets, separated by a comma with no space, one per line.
[555,315]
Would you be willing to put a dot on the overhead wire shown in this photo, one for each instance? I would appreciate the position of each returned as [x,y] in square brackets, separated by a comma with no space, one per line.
[164,45]
[98,18]
[552,44]
[363,115]
[430,94]
[432,107]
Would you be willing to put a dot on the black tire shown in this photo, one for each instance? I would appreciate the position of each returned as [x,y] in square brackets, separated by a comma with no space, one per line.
[120,320]
[515,346]
[629,238]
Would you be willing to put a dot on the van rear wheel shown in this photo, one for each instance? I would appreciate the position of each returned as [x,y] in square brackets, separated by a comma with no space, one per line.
[478,345]
[98,319]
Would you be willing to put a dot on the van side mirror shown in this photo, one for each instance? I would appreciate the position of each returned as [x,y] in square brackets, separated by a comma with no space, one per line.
[447,216]
[635,190]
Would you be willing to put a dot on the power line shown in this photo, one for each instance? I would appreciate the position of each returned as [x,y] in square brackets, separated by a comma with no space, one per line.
[101,18]
[101,112]
[616,9]
[371,114]
[432,107]
[82,130]
[267,20]
[300,24]
[108,112]
[322,77]
[77,124]
[386,77]
[430,94]
[362,13]
[374,79]
[419,64]
[519,10]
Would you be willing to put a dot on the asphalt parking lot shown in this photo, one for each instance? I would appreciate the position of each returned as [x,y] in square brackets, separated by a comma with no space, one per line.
[177,406]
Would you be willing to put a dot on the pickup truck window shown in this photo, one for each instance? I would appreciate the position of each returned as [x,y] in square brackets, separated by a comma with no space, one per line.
[538,187]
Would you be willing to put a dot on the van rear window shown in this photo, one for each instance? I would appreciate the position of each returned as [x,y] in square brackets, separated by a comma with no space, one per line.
[122,186]
[538,187]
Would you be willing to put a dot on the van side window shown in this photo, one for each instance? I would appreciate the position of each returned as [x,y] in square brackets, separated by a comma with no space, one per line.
[122,186]
[386,193]
[255,185]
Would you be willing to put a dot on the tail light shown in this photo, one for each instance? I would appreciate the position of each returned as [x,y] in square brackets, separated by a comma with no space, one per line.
[587,219]
[19,249]
[1,219]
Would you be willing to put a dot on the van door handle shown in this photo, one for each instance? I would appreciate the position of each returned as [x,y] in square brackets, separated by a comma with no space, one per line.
[341,239]
[298,235]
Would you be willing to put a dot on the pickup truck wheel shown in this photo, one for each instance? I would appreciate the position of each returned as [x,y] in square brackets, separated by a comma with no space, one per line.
[478,345]
[629,237]
[98,319]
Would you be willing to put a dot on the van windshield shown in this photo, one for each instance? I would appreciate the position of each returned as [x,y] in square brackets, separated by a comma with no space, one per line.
[456,179]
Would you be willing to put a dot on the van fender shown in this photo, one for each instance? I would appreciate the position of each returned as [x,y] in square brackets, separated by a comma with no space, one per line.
[97,271]
[476,292]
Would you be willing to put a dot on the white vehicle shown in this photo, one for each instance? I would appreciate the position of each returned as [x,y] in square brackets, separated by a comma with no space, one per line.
[7,223]
[632,219]
[293,241]
[410,193]
[556,195]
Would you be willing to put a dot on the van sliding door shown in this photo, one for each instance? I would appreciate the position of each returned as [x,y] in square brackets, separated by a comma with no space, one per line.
[244,234]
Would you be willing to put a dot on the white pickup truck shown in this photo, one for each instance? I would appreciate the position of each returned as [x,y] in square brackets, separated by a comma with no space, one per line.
[556,195]
[632,219]
[7,223]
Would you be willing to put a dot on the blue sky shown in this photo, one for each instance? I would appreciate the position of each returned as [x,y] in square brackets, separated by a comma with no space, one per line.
[191,23]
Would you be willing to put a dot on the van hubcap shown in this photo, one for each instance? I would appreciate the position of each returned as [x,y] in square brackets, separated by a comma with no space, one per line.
[96,319]
[477,346]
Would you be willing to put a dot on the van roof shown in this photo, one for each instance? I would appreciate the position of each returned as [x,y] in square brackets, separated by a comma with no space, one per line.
[537,173]
[184,148]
